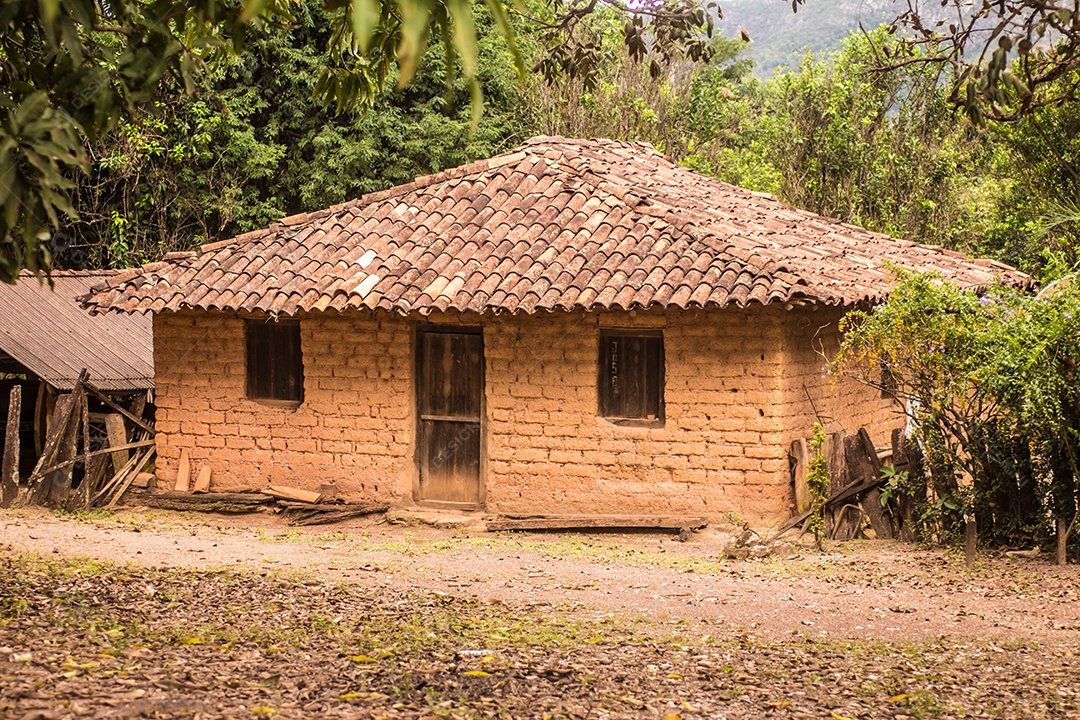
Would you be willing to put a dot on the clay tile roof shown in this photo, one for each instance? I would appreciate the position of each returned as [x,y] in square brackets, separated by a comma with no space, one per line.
[555,224]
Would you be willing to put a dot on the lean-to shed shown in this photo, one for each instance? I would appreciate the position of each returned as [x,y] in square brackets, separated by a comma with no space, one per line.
[47,338]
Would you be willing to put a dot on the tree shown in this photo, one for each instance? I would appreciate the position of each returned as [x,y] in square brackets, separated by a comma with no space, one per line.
[255,145]
[74,69]
[1004,58]
[70,70]
[989,382]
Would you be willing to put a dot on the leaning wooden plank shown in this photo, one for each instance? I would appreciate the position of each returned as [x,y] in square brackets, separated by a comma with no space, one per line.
[98,453]
[291,493]
[61,417]
[790,523]
[107,488]
[116,431]
[210,502]
[202,481]
[183,475]
[583,522]
[132,474]
[58,482]
[9,473]
[880,518]
[105,399]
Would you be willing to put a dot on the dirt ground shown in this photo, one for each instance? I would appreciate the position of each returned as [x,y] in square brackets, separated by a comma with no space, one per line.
[157,614]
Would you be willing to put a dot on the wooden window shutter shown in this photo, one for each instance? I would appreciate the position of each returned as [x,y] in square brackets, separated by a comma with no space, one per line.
[631,375]
[275,361]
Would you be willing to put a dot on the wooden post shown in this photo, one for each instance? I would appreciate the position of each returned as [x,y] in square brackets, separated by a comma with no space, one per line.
[81,499]
[800,455]
[58,483]
[40,487]
[970,541]
[905,502]
[117,432]
[9,471]
[1062,540]
[833,452]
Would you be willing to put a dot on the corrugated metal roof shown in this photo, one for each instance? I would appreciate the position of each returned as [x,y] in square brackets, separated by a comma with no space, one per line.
[557,224]
[49,332]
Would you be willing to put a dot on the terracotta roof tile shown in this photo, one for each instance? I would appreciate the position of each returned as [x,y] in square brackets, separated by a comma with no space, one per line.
[557,224]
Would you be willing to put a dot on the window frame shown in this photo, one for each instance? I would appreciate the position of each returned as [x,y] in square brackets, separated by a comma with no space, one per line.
[603,378]
[275,362]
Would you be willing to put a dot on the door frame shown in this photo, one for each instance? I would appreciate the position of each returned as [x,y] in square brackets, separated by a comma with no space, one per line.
[428,327]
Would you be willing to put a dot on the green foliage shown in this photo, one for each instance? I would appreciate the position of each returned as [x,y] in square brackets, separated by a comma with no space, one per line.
[70,70]
[818,480]
[255,145]
[990,383]
[75,71]
[897,484]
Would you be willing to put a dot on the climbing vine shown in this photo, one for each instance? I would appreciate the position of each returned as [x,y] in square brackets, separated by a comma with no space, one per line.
[818,480]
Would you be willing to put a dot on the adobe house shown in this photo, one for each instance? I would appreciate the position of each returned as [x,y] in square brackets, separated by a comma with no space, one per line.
[575,326]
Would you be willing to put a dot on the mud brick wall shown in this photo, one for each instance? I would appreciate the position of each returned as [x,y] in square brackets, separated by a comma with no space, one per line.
[718,451]
[734,400]
[811,336]
[354,427]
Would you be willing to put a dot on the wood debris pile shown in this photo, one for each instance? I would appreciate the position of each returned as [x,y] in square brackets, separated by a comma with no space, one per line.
[853,507]
[748,544]
[88,458]
[300,507]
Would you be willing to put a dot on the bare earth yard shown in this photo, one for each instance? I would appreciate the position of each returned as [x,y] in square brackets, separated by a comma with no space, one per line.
[163,615]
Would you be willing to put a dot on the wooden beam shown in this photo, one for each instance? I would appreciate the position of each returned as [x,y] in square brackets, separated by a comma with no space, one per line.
[123,411]
[9,471]
[345,512]
[210,502]
[97,453]
[605,522]
[291,493]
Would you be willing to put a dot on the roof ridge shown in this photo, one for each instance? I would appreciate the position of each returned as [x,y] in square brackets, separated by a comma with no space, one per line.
[477,166]
[62,272]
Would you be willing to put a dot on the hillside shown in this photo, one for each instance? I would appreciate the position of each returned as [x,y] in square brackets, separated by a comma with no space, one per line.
[780,36]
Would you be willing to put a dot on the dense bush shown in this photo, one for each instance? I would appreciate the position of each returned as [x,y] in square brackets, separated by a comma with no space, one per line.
[989,382]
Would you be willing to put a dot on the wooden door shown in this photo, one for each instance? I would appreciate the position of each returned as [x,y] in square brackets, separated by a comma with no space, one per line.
[450,373]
